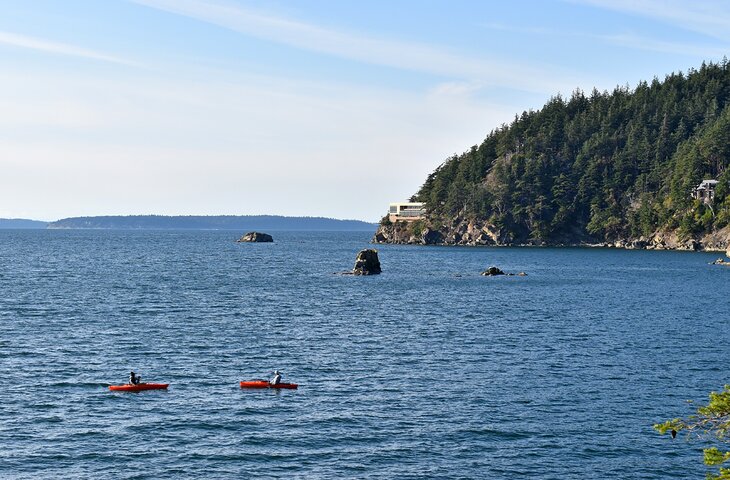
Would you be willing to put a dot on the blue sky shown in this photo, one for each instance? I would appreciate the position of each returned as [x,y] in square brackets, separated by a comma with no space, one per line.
[331,108]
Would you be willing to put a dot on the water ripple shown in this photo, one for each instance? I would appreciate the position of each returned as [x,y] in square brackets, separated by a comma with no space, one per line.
[427,371]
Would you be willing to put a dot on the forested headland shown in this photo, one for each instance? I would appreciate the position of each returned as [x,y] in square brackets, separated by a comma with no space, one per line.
[615,167]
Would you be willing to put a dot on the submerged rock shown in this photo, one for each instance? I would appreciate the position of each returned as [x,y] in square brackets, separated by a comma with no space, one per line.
[256,237]
[367,263]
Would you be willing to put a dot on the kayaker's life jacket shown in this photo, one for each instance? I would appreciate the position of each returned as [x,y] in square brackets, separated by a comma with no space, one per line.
[134,379]
[276,380]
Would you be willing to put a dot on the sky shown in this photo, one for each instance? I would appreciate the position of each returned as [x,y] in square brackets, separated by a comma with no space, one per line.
[308,108]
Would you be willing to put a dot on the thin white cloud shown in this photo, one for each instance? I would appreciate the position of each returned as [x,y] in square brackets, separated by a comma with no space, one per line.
[709,17]
[626,40]
[643,43]
[523,29]
[368,49]
[455,89]
[23,41]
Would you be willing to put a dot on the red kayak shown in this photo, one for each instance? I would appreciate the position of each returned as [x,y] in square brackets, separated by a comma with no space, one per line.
[266,384]
[138,387]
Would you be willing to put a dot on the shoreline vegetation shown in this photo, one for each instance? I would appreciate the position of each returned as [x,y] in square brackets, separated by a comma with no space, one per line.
[642,168]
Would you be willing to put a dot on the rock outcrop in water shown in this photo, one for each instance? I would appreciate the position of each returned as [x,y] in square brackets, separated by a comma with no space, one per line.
[492,271]
[257,237]
[367,263]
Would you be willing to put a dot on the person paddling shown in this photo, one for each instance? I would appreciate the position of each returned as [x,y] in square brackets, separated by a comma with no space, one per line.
[134,379]
[277,378]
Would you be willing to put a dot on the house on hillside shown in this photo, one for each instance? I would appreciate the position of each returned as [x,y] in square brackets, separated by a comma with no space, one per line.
[705,191]
[408,211]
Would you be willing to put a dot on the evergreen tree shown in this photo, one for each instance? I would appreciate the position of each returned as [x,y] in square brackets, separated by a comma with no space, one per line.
[604,166]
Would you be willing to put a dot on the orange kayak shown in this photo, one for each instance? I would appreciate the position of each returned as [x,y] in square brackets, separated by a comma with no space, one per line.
[265,384]
[139,387]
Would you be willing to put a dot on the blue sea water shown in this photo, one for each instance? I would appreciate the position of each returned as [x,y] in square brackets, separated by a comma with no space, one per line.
[426,371]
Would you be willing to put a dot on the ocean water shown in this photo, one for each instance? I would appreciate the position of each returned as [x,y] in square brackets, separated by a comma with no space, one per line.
[426,371]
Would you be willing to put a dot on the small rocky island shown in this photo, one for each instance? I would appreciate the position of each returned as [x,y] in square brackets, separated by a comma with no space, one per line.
[367,263]
[257,237]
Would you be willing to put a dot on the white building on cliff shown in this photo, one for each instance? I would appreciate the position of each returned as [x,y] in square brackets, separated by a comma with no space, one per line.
[705,191]
[408,211]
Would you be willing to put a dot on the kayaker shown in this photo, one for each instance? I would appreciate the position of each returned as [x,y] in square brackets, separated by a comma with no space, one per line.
[277,378]
[134,379]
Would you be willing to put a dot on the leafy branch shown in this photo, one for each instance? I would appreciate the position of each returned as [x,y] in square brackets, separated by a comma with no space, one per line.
[711,423]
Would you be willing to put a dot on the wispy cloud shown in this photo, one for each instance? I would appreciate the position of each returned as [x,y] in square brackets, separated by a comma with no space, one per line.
[23,41]
[639,42]
[626,40]
[367,48]
[709,17]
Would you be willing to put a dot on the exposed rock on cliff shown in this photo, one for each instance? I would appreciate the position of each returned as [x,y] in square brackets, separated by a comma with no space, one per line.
[256,237]
[718,240]
[481,233]
[367,263]
[431,237]
[458,232]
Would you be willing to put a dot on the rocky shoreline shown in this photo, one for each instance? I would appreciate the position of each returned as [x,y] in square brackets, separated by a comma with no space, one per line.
[477,233]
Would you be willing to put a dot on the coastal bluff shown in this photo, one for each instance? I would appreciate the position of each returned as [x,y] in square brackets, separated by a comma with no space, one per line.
[636,168]
[474,232]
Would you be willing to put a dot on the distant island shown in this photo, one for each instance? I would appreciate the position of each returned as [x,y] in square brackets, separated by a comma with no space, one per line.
[6,223]
[214,222]
[647,167]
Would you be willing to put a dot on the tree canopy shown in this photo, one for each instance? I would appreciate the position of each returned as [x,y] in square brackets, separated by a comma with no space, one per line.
[711,423]
[602,165]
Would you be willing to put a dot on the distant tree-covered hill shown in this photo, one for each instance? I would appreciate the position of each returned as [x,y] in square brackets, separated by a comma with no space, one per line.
[602,166]
[218,222]
[21,223]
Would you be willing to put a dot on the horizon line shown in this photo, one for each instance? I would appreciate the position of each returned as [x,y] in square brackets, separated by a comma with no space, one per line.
[317,217]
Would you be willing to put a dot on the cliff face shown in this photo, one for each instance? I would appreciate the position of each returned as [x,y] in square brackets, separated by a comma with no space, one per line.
[427,232]
[481,233]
